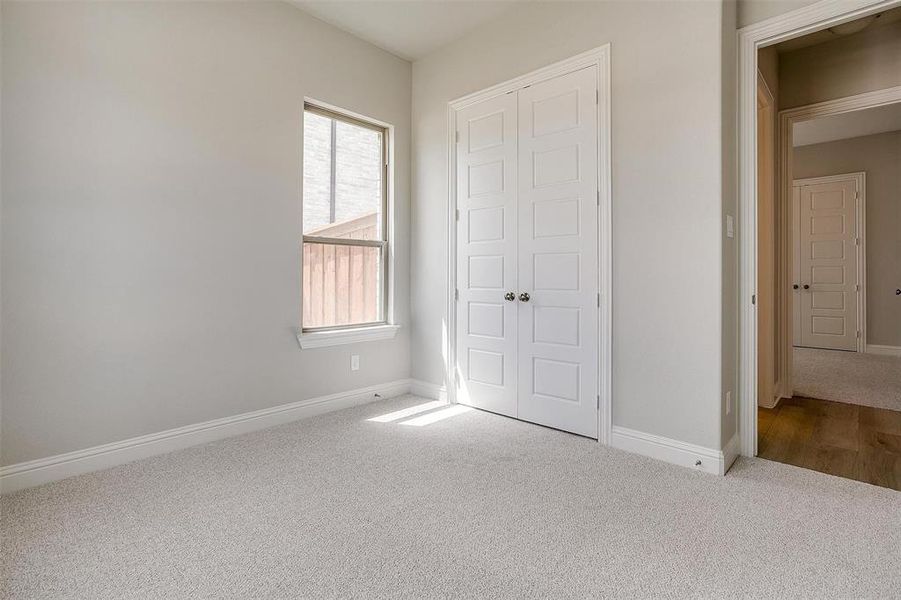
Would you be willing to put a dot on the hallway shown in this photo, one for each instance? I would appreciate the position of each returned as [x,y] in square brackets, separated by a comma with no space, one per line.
[849,377]
[855,442]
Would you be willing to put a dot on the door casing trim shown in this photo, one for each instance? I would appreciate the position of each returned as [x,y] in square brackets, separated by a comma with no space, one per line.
[600,59]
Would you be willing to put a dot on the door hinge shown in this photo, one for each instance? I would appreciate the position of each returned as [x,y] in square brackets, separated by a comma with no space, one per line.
[598,403]
[599,197]
[457,137]
[599,300]
[857,287]
[457,214]
[597,96]
[857,241]
[456,294]
[858,333]
[754,299]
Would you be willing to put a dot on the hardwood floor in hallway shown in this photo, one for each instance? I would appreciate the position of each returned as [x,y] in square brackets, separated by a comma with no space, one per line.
[847,440]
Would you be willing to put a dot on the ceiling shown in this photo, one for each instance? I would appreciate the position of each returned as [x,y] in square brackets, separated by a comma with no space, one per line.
[408,29]
[848,125]
[826,35]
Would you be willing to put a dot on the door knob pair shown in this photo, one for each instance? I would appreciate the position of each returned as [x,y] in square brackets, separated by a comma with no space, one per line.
[510,297]
[806,287]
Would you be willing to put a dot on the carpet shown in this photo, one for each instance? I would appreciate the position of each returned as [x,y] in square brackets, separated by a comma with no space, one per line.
[849,377]
[445,503]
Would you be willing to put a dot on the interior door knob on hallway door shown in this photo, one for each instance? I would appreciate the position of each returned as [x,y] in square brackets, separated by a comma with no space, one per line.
[526,192]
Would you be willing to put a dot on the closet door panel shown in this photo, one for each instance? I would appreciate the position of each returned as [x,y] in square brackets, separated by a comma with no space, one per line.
[557,252]
[485,369]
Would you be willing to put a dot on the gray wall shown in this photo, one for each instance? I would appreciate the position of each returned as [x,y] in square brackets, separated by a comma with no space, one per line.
[862,62]
[730,270]
[150,220]
[754,11]
[668,161]
[880,157]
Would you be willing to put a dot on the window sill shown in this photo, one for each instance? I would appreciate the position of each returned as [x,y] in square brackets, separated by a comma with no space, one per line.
[337,337]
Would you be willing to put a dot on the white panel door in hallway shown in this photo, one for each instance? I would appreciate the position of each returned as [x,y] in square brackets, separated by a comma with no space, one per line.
[527,338]
[558,253]
[826,259]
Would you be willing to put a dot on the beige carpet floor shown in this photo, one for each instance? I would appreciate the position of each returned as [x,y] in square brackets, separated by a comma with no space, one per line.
[849,377]
[444,504]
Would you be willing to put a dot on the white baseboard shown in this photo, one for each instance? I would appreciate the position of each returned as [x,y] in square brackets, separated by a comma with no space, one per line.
[44,470]
[731,453]
[428,390]
[671,451]
[773,402]
[782,392]
[885,350]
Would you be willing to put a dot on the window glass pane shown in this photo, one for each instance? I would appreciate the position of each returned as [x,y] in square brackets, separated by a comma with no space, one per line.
[342,179]
[317,152]
[342,285]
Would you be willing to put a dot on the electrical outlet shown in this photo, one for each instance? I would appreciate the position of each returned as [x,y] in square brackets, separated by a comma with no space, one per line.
[354,362]
[729,402]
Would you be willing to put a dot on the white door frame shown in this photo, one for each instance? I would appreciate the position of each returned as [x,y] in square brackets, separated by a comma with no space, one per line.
[766,107]
[600,59]
[815,17]
[860,178]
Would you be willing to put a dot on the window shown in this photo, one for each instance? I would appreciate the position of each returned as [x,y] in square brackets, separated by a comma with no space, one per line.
[345,226]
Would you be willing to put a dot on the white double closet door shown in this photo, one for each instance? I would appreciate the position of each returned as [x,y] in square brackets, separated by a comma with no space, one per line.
[527,254]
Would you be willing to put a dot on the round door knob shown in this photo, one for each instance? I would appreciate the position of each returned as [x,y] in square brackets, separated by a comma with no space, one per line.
[524,297]
[509,296]
[806,287]
[795,286]
[898,292]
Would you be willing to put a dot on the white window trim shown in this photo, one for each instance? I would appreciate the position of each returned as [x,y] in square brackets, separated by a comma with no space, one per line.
[338,337]
[383,330]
